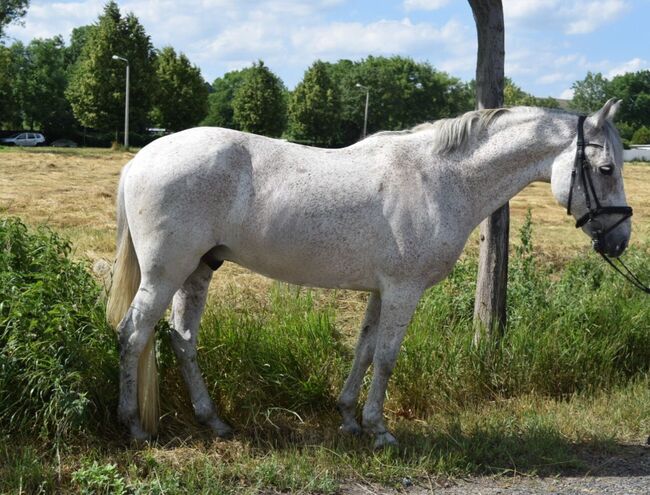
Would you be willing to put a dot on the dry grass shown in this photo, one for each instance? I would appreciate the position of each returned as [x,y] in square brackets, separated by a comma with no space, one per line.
[74,192]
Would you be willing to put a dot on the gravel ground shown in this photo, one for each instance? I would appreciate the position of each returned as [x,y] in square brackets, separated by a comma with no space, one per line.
[627,471]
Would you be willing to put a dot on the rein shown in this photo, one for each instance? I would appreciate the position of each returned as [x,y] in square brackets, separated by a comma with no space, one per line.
[582,167]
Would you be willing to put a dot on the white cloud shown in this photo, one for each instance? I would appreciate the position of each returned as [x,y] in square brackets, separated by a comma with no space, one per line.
[570,16]
[634,65]
[411,5]
[354,38]
[592,15]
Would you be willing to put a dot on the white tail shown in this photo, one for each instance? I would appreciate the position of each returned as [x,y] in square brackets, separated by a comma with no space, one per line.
[125,283]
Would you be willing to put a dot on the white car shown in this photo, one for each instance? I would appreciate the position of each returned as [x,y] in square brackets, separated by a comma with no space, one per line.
[25,139]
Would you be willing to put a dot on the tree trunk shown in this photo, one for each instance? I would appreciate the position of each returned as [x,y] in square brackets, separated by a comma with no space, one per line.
[491,285]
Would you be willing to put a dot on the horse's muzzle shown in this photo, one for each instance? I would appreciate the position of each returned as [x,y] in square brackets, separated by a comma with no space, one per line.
[611,248]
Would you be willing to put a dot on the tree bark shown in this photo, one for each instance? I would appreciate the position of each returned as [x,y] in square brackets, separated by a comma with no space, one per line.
[491,285]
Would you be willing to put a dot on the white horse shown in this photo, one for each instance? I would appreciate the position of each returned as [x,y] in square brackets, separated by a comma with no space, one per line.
[389,215]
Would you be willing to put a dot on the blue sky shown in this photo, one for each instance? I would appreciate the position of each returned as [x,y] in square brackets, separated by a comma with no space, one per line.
[549,43]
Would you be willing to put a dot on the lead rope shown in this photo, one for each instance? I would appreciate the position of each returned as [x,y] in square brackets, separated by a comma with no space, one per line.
[629,276]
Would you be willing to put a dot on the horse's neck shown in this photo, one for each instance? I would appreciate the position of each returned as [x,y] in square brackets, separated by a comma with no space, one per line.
[516,152]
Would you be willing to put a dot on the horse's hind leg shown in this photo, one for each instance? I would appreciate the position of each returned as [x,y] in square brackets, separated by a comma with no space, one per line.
[135,329]
[364,352]
[187,308]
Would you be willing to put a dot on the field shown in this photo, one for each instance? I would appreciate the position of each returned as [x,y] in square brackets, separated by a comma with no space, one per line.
[567,392]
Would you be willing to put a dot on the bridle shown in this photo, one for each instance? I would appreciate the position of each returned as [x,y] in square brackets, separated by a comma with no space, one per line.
[583,169]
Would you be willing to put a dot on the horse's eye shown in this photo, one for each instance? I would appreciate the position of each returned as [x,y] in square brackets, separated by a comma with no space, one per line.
[606,169]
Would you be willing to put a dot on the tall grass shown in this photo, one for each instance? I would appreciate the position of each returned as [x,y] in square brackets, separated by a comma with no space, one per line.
[273,361]
[58,359]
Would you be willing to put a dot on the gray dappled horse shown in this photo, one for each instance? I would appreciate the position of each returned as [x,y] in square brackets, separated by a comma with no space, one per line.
[389,215]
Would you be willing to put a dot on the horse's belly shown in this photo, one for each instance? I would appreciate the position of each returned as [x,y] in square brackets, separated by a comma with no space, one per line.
[314,269]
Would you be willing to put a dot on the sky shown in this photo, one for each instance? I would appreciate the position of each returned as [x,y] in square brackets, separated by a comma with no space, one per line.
[549,43]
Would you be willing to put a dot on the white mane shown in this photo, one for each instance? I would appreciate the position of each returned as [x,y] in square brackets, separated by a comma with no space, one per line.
[453,133]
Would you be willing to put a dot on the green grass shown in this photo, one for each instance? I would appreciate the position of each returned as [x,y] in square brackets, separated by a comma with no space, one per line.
[571,374]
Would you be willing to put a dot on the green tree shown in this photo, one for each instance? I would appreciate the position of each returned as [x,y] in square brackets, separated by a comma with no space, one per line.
[41,86]
[97,84]
[641,135]
[78,39]
[634,89]
[315,107]
[181,98]
[591,93]
[259,104]
[220,111]
[403,93]
[11,11]
[9,107]
[513,96]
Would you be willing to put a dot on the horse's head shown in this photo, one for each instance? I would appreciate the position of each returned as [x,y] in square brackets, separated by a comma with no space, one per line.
[587,178]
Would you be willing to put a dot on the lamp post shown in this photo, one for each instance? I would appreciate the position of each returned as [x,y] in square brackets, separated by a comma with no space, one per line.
[126,106]
[365,114]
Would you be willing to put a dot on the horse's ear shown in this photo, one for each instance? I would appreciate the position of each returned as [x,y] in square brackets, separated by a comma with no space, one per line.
[608,111]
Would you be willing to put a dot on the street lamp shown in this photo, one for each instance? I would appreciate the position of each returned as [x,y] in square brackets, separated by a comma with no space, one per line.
[126,106]
[365,114]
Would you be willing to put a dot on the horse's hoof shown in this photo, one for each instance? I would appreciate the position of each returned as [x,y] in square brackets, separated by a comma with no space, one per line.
[138,435]
[221,429]
[384,440]
[351,428]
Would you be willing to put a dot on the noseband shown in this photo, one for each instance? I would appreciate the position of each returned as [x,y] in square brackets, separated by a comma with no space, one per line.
[582,167]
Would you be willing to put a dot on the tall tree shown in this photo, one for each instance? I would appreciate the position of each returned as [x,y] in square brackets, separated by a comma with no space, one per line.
[97,85]
[11,11]
[491,286]
[78,39]
[259,104]
[403,93]
[9,107]
[591,93]
[181,98]
[634,89]
[41,85]
[513,95]
[315,107]
[220,111]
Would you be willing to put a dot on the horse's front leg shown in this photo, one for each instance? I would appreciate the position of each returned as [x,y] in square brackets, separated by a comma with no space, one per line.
[397,307]
[347,403]
[187,307]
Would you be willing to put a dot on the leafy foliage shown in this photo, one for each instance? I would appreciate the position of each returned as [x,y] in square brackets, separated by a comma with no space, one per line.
[590,94]
[11,11]
[403,93]
[58,359]
[513,95]
[220,111]
[259,103]
[633,88]
[40,86]
[97,85]
[181,97]
[641,136]
[9,106]
[314,110]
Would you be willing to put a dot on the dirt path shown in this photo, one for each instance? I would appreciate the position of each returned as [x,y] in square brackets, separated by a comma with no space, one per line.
[625,471]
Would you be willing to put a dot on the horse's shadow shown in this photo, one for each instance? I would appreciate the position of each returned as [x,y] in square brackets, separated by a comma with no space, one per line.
[542,451]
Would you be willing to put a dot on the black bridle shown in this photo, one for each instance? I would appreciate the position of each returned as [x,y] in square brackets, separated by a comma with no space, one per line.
[582,167]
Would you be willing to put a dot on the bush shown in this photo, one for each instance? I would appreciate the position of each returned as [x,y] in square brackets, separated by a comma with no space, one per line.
[641,136]
[58,359]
